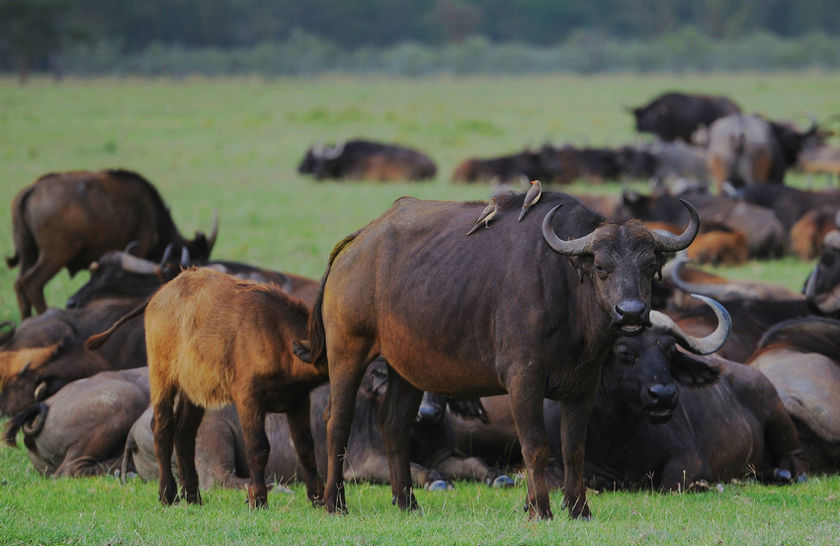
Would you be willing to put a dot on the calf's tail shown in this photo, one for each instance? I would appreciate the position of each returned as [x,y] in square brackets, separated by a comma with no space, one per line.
[97,340]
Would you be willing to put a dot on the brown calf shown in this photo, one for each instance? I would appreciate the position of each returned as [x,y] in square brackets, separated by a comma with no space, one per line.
[719,247]
[212,339]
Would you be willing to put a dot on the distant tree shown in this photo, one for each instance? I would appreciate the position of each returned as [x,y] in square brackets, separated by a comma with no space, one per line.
[457,19]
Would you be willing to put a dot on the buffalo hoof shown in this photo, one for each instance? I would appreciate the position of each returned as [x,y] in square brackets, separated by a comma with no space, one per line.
[439,485]
[502,481]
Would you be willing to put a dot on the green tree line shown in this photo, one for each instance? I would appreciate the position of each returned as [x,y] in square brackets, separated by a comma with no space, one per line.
[42,34]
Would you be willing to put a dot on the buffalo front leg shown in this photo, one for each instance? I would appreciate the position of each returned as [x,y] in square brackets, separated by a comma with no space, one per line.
[298,419]
[396,416]
[574,420]
[187,420]
[526,407]
[33,281]
[163,429]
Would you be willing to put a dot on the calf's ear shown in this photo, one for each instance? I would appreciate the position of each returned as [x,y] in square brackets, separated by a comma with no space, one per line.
[689,371]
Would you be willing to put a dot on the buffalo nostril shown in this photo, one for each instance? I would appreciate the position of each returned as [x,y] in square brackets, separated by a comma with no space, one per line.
[71,303]
[663,393]
[630,308]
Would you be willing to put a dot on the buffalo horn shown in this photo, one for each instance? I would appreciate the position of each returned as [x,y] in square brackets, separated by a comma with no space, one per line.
[702,345]
[574,247]
[131,246]
[167,254]
[832,240]
[719,291]
[40,391]
[673,243]
[334,152]
[318,150]
[837,219]
[185,256]
[831,303]
[211,241]
[140,266]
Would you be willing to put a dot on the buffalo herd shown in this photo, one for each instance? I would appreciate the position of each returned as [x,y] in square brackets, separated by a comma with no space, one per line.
[571,340]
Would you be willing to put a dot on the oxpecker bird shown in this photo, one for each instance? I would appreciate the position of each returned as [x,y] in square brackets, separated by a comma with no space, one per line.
[486,215]
[531,198]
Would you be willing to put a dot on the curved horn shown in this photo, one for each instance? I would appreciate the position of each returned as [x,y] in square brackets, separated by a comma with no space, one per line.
[718,291]
[575,247]
[211,240]
[703,345]
[167,254]
[335,151]
[673,243]
[185,256]
[140,266]
[131,246]
[832,240]
[40,391]
[317,150]
[831,303]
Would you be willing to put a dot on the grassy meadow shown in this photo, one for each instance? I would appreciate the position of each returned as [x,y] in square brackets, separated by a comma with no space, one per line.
[233,145]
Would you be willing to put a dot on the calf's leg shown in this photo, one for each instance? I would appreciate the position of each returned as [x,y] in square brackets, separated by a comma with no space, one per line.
[187,420]
[163,429]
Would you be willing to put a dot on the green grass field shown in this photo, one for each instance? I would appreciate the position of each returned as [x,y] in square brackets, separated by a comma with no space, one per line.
[233,145]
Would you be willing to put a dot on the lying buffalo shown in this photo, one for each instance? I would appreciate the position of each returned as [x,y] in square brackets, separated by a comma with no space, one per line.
[81,429]
[647,432]
[121,274]
[366,160]
[676,116]
[70,219]
[801,357]
[220,447]
[47,351]
[530,308]
[822,289]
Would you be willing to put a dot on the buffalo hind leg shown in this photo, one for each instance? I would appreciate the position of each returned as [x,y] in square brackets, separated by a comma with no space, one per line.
[396,416]
[526,407]
[257,448]
[298,418]
[187,420]
[33,281]
[163,428]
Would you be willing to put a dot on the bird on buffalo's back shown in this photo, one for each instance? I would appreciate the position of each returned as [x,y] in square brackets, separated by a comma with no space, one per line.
[531,198]
[486,215]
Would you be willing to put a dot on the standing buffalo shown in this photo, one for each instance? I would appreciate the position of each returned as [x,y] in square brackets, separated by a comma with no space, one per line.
[676,116]
[365,160]
[745,150]
[530,307]
[70,219]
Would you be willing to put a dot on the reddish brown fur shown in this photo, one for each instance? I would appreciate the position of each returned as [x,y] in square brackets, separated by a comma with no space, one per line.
[806,235]
[719,247]
[465,172]
[213,339]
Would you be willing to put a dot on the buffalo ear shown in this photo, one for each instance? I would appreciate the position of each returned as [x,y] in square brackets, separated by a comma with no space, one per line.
[689,371]
[302,350]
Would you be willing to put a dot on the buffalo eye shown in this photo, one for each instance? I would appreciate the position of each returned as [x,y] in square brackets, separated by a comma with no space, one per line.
[601,271]
[650,269]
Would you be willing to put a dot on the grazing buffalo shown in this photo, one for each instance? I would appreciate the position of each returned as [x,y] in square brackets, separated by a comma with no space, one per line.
[220,446]
[676,116]
[81,429]
[119,273]
[213,339]
[530,307]
[365,160]
[70,219]
[747,149]
[47,351]
[801,357]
